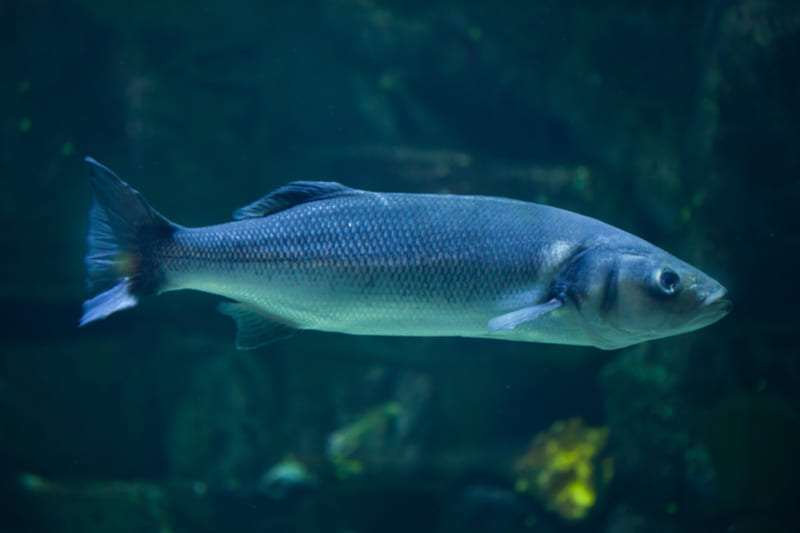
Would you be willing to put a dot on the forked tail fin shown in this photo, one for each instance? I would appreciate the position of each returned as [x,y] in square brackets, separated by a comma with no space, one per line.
[124,231]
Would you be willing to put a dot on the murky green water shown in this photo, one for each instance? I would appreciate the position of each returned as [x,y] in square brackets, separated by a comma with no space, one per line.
[679,123]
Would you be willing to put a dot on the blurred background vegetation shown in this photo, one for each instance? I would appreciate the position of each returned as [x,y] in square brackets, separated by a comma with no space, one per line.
[677,121]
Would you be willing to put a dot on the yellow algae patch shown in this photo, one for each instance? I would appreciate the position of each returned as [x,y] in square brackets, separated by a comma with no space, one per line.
[564,468]
[345,443]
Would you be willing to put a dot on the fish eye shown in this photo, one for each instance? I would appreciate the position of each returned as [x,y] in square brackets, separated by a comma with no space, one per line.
[668,281]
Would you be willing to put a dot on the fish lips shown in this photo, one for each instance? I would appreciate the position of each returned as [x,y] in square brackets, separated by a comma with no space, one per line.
[713,308]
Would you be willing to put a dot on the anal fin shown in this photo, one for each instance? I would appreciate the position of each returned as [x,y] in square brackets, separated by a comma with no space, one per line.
[254,328]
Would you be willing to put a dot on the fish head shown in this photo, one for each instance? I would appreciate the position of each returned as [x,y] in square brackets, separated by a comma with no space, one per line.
[642,294]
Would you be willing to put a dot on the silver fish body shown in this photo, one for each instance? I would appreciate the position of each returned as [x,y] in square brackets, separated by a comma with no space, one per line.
[322,256]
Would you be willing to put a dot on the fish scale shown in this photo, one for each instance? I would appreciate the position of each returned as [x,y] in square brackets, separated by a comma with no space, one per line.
[373,264]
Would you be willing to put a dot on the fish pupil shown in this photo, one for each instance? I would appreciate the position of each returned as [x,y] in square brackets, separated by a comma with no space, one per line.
[669,281]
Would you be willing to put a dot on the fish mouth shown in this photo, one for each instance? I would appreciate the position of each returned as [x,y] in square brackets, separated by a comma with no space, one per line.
[714,307]
[716,301]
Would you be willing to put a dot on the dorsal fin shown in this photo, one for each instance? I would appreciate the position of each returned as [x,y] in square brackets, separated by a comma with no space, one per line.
[295,193]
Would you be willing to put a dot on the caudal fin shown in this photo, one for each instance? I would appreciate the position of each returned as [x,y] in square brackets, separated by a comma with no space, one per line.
[123,233]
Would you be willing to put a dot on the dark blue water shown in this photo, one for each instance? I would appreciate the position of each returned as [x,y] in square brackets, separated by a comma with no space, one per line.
[679,122]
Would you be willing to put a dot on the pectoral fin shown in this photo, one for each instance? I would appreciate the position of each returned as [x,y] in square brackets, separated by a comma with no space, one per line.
[520,316]
[254,328]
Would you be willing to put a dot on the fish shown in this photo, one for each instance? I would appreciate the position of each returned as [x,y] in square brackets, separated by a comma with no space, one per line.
[314,255]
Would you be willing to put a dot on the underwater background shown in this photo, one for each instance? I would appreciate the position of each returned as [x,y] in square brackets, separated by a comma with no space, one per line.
[677,121]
